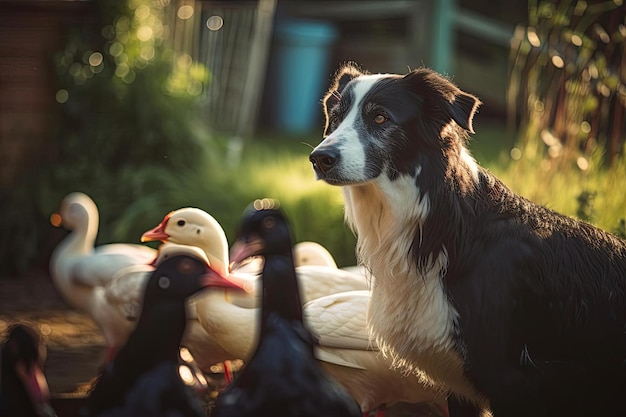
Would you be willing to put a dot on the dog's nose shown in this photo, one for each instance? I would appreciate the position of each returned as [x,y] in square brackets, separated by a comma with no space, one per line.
[324,159]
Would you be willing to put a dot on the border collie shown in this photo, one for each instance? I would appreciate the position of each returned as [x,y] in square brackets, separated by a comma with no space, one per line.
[509,306]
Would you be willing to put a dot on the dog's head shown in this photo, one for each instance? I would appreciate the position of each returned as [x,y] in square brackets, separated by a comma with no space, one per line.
[389,124]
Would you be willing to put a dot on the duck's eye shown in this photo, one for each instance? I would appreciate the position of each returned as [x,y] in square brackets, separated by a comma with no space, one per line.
[186,266]
[379,119]
[269,223]
[181,223]
[164,282]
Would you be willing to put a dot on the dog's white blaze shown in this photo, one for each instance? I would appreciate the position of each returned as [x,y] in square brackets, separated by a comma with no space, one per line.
[346,137]
[409,315]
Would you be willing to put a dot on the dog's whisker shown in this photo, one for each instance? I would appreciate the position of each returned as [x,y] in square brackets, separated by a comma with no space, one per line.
[307,144]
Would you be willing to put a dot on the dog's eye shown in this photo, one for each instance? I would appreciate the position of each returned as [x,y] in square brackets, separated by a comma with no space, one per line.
[379,119]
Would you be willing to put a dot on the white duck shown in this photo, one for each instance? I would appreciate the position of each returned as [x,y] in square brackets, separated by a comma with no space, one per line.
[81,272]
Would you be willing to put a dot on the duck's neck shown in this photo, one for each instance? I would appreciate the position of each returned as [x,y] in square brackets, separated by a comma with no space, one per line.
[281,293]
[156,339]
[82,238]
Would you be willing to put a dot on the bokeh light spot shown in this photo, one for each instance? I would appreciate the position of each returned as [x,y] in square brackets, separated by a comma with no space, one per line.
[122,70]
[142,12]
[185,374]
[116,49]
[185,355]
[585,127]
[147,53]
[185,12]
[557,61]
[129,78]
[214,23]
[95,59]
[144,33]
[533,38]
[61,97]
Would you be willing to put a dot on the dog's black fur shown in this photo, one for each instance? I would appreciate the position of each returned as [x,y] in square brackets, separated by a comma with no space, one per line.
[540,297]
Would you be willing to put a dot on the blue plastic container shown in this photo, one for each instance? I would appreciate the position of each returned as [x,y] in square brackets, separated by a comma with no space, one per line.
[302,55]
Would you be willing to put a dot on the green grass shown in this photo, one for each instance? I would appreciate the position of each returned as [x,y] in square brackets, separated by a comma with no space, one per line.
[554,183]
[559,187]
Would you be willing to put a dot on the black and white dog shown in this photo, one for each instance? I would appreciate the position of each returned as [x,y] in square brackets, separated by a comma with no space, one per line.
[508,305]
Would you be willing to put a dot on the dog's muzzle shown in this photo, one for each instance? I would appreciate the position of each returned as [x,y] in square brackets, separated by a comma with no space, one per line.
[324,159]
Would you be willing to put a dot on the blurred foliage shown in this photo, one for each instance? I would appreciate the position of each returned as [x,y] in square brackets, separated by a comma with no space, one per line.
[585,205]
[127,110]
[593,194]
[567,89]
[566,98]
[620,231]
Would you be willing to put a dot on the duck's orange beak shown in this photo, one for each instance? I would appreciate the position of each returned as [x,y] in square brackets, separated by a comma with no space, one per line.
[56,220]
[158,233]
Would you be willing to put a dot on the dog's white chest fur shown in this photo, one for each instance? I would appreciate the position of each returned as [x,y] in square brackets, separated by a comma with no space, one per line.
[409,314]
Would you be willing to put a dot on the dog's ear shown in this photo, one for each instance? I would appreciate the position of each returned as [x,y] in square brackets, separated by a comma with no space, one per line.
[445,99]
[346,74]
[343,76]
[462,109]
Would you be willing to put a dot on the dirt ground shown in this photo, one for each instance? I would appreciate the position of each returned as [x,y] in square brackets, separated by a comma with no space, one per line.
[76,347]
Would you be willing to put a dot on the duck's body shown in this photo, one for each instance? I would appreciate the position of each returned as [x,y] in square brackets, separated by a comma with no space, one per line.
[347,353]
[282,377]
[82,273]
[144,374]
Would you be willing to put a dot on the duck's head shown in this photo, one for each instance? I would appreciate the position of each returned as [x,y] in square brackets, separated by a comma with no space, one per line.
[180,276]
[23,355]
[77,210]
[194,227]
[264,230]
